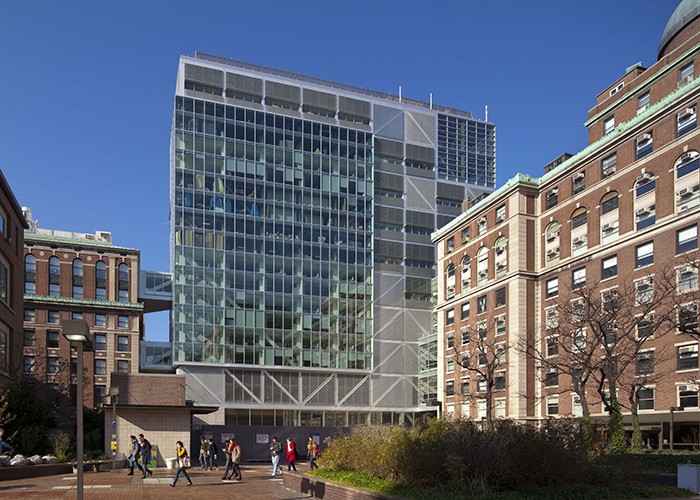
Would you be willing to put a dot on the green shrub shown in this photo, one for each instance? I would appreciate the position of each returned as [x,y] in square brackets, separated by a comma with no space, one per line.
[60,444]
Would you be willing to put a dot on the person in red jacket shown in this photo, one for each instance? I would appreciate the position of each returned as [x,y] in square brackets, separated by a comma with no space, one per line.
[291,454]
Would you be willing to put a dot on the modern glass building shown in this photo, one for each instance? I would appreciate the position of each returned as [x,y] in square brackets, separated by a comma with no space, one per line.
[301,213]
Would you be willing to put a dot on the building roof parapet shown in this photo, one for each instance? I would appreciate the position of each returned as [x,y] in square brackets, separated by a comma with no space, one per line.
[335,85]
[56,236]
[86,302]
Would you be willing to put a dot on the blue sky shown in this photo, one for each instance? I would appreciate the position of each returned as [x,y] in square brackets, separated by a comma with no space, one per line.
[86,88]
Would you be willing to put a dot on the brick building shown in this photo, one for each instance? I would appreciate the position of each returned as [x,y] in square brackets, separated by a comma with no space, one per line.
[12,225]
[79,276]
[609,218]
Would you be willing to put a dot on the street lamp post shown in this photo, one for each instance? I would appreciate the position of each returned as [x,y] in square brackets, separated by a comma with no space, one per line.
[670,434]
[77,331]
[113,393]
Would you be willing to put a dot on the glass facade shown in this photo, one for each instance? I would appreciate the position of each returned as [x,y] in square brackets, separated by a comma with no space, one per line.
[466,151]
[272,228]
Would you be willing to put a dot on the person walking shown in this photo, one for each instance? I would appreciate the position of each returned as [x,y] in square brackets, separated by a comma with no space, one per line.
[145,456]
[203,452]
[291,455]
[275,452]
[183,463]
[236,457]
[134,452]
[226,449]
[211,454]
[312,448]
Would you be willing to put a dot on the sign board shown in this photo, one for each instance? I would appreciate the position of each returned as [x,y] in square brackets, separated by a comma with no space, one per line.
[208,435]
[114,445]
[226,436]
[317,437]
[262,438]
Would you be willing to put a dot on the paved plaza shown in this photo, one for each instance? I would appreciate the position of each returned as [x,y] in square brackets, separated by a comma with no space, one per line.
[257,484]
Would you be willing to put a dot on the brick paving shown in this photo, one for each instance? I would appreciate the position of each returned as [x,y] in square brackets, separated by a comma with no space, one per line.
[257,484]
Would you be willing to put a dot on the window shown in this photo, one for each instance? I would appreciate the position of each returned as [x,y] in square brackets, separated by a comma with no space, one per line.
[4,350]
[610,300]
[123,366]
[450,340]
[100,394]
[466,273]
[77,279]
[578,278]
[499,381]
[54,317]
[100,366]
[481,409]
[551,317]
[450,388]
[450,244]
[688,162]
[608,125]
[687,120]
[482,265]
[465,387]
[552,345]
[645,254]
[576,407]
[501,325]
[466,336]
[29,338]
[610,333]
[465,311]
[609,203]
[688,357]
[500,214]
[52,364]
[552,405]
[54,277]
[29,315]
[579,218]
[688,396]
[466,235]
[686,72]
[552,288]
[123,322]
[450,281]
[29,275]
[686,239]
[28,364]
[450,317]
[646,398]
[100,342]
[500,352]
[551,377]
[482,330]
[578,182]
[4,283]
[645,217]
[645,363]
[688,318]
[645,145]
[100,320]
[76,315]
[481,304]
[450,364]
[610,267]
[687,277]
[123,275]
[481,226]
[123,343]
[644,289]
[552,198]
[643,101]
[100,280]
[481,384]
[501,297]
[52,339]
[609,165]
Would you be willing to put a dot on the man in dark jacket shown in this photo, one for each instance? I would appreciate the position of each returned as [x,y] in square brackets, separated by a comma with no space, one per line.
[145,455]
[134,453]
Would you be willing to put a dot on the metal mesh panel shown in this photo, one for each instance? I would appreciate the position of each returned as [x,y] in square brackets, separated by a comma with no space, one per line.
[450,191]
[388,122]
[325,396]
[420,153]
[207,76]
[283,92]
[347,383]
[389,215]
[244,83]
[443,220]
[274,394]
[354,106]
[388,148]
[420,252]
[388,181]
[318,99]
[420,219]
[420,194]
[418,285]
[388,293]
[388,248]
[420,128]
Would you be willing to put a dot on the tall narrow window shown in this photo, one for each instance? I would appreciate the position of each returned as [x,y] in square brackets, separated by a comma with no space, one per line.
[687,72]
[644,254]
[687,120]
[643,101]
[29,274]
[609,125]
[54,277]
[100,280]
[609,165]
[578,182]
[645,145]
[466,273]
[450,281]
[77,279]
[579,231]
[123,283]
[609,217]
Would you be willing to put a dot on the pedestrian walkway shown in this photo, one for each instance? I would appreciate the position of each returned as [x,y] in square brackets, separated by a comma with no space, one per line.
[256,485]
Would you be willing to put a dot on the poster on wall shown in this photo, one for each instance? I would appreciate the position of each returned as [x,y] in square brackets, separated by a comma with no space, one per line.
[229,435]
[317,437]
[208,435]
[262,438]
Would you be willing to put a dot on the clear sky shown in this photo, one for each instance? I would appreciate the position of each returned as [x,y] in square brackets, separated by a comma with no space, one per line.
[86,87]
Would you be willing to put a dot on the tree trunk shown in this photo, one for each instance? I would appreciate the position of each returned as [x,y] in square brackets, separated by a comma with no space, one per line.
[636,429]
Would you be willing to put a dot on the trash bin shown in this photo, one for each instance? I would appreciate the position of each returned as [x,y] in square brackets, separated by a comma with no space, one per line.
[171,463]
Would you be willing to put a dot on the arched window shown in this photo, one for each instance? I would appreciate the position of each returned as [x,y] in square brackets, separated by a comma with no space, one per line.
[579,231]
[501,256]
[609,216]
[77,279]
[646,183]
[552,236]
[466,273]
[482,266]
[687,163]
[29,274]
[645,202]
[100,280]
[54,277]
[450,281]
[123,283]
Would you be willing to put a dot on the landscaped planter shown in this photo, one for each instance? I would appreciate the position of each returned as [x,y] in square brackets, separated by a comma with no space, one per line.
[330,490]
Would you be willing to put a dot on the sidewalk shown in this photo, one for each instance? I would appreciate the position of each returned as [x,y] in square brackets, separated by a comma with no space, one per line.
[256,485]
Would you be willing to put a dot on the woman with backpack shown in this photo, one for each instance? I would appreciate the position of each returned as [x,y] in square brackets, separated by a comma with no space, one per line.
[183,463]
[291,454]
[312,449]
